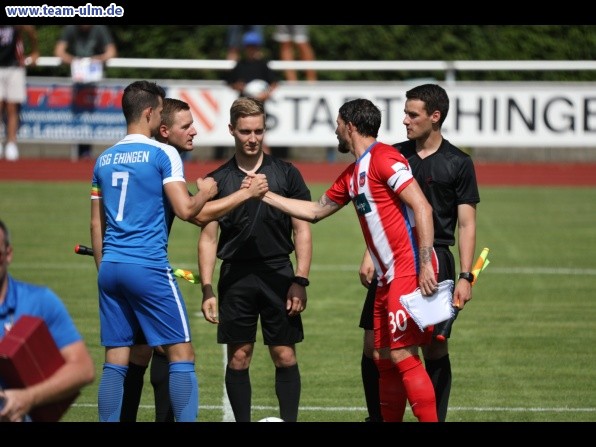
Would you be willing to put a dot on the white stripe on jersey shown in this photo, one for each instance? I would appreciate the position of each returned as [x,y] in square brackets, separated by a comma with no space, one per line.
[387,223]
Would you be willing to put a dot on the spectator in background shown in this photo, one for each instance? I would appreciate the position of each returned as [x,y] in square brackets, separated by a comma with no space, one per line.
[81,44]
[18,298]
[290,38]
[252,66]
[234,38]
[13,86]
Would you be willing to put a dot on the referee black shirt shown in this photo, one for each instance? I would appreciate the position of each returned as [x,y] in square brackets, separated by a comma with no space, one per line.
[254,230]
[447,179]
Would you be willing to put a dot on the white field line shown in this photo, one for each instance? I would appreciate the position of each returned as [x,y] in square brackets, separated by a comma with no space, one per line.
[333,267]
[363,409]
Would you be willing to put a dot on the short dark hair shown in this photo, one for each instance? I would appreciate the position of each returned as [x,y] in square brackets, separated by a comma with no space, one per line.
[138,96]
[363,114]
[246,106]
[171,106]
[434,98]
[4,229]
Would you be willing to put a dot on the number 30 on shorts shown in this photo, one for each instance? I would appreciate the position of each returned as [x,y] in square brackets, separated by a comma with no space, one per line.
[397,320]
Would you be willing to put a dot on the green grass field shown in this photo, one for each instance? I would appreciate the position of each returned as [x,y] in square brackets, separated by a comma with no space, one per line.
[521,351]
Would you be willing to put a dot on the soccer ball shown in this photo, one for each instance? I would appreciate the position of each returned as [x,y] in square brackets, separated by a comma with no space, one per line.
[255,87]
[270,419]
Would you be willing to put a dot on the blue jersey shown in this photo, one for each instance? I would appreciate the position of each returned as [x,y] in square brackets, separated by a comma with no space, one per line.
[129,177]
[38,301]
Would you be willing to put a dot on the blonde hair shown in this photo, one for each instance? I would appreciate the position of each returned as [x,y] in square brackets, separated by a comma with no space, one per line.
[245,106]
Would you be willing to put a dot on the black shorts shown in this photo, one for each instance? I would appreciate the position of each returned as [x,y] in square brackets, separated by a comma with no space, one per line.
[366,317]
[247,290]
[140,338]
[446,271]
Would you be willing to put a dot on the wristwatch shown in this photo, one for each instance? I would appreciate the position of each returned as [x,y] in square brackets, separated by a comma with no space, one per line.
[468,276]
[301,281]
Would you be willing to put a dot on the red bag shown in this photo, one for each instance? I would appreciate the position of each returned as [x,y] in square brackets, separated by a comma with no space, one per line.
[28,355]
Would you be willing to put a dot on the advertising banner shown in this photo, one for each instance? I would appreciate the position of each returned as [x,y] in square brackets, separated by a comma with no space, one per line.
[489,114]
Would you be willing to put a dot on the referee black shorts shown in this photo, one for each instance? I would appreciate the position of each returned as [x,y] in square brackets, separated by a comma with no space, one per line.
[446,271]
[248,291]
[366,317]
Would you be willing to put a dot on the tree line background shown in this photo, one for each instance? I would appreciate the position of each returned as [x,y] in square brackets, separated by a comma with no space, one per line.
[356,42]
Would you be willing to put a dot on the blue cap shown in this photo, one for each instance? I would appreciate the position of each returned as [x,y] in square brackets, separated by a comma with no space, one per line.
[252,38]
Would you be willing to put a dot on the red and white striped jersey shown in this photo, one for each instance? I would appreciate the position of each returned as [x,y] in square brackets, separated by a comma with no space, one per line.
[373,184]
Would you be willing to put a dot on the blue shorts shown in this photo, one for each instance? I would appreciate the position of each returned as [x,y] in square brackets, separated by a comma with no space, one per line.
[133,297]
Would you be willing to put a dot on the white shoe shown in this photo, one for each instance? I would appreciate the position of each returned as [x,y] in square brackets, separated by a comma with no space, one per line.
[12,151]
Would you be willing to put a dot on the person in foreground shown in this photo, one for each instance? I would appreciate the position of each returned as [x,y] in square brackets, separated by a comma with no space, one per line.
[257,277]
[448,180]
[19,298]
[176,129]
[396,220]
[138,186]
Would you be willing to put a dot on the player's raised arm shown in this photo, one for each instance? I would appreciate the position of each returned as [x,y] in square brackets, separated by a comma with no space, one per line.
[185,206]
[303,209]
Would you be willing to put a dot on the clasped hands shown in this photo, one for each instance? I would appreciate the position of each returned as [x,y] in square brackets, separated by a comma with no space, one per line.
[256,184]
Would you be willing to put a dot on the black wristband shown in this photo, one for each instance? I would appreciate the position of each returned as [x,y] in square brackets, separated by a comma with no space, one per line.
[468,276]
[301,281]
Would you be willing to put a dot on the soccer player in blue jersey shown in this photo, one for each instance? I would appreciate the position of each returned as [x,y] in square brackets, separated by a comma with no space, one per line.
[138,186]
[19,298]
[177,130]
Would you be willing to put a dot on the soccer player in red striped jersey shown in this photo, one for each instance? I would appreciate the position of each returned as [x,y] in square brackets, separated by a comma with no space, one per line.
[447,178]
[396,220]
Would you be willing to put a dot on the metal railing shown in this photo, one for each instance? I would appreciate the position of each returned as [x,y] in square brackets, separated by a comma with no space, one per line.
[449,67]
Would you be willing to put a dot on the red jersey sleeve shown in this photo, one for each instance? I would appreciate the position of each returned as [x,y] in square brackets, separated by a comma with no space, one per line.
[339,192]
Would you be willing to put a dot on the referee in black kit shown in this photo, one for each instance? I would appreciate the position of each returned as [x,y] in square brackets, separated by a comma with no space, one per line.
[257,277]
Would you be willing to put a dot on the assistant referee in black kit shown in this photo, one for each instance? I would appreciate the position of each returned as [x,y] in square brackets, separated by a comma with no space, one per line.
[257,277]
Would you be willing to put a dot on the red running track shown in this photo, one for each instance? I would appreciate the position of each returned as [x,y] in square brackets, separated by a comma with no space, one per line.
[489,174]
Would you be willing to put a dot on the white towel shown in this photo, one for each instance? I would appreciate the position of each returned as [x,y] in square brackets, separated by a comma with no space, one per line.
[429,310]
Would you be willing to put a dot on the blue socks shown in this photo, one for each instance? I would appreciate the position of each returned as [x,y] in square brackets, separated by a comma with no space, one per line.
[183,384]
[184,391]
[109,395]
